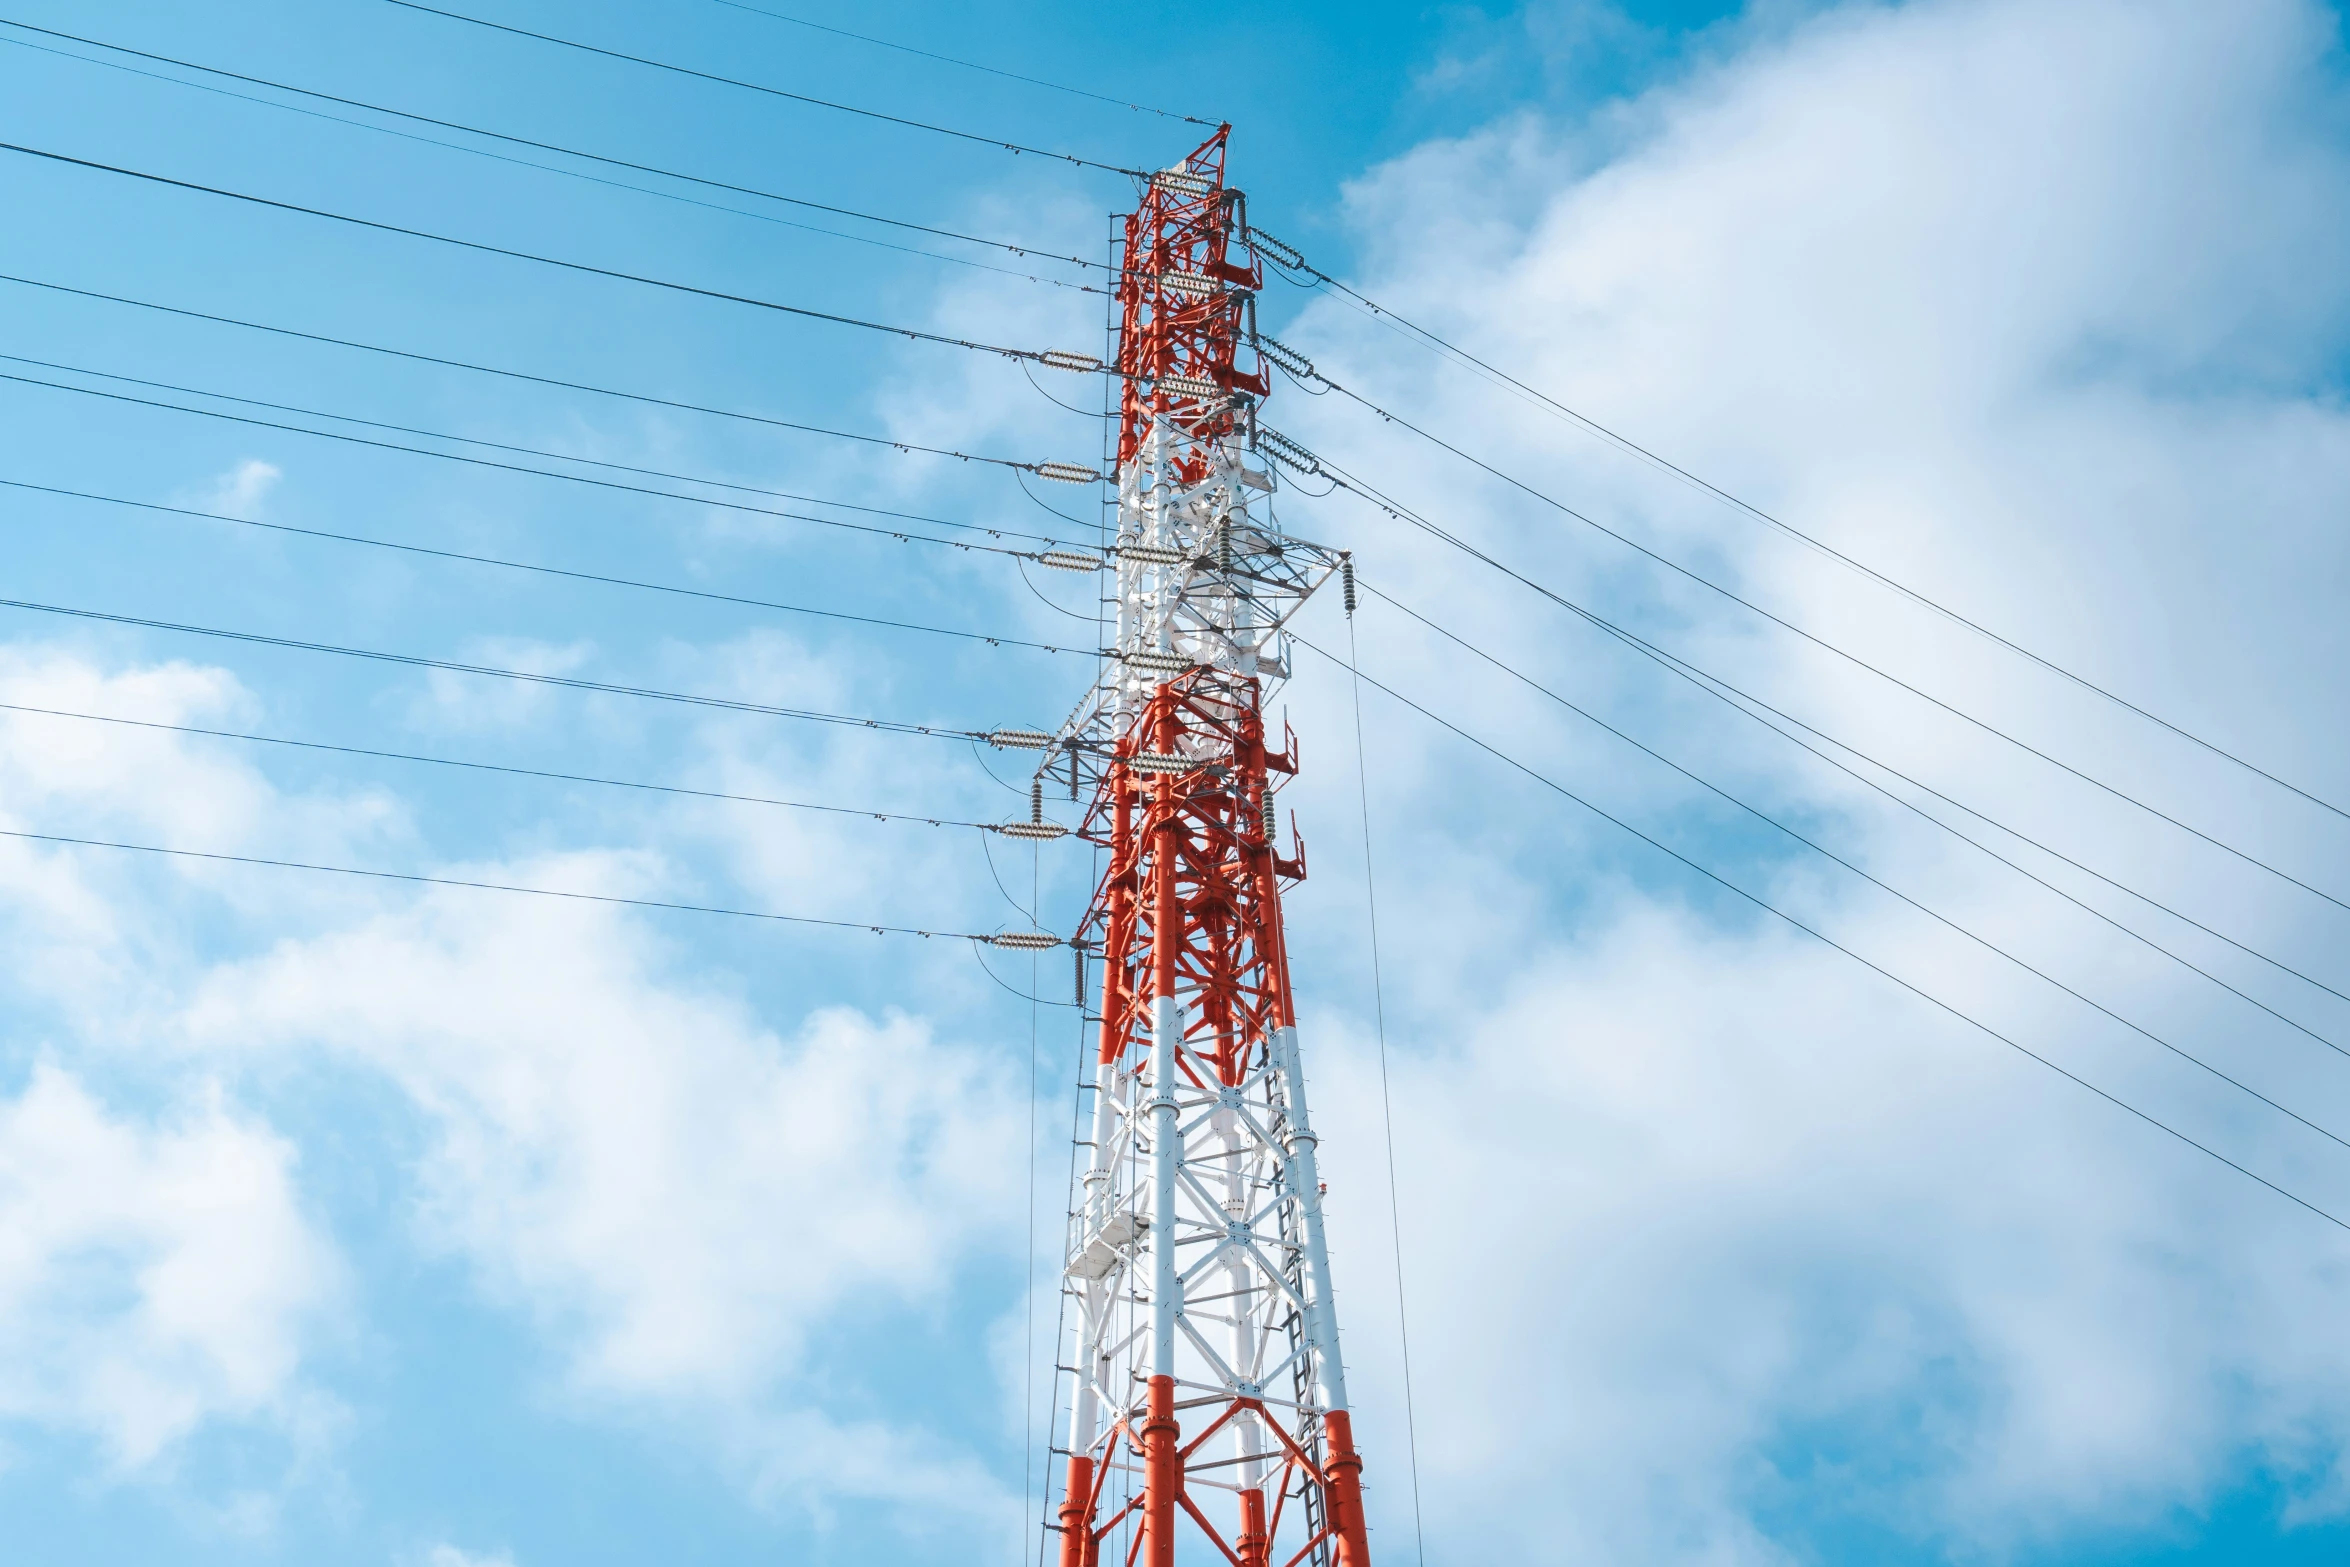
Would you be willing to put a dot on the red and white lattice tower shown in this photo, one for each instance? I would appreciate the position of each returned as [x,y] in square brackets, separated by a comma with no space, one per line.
[1205,1395]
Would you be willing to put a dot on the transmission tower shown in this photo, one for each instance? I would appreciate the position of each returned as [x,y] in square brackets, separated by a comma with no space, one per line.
[1204,1381]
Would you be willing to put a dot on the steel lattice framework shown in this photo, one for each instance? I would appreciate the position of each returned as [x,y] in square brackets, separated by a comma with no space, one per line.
[1204,1380]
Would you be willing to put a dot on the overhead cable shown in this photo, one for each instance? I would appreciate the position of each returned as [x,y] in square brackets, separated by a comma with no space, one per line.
[598,578]
[498,886]
[968,65]
[910,448]
[1818,848]
[540,773]
[1752,707]
[1755,708]
[1054,358]
[1010,246]
[772,92]
[1821,936]
[1294,262]
[1400,512]
[2080,903]
[525,676]
[903,535]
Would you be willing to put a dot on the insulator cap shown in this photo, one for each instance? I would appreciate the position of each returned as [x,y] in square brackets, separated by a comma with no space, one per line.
[1070,560]
[1068,473]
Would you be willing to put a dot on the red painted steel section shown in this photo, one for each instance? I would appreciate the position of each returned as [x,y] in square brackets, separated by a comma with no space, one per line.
[1169,329]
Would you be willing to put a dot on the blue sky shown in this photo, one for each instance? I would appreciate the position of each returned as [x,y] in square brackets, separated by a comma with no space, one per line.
[434,1228]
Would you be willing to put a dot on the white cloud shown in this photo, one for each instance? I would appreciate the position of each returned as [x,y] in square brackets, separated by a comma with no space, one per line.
[99,930]
[153,1276]
[451,1556]
[239,492]
[2032,305]
[678,1197]
[488,703]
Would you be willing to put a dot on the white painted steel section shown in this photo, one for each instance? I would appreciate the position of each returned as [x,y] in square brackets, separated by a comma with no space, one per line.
[1306,1181]
[1166,1163]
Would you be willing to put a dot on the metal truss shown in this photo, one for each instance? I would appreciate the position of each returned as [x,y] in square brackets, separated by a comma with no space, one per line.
[1196,1271]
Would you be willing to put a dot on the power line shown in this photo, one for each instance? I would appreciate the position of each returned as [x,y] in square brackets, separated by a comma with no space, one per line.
[902,535]
[547,571]
[912,448]
[772,92]
[529,677]
[1936,916]
[1754,707]
[1780,914]
[1397,510]
[491,886]
[1561,410]
[1010,246]
[968,65]
[1750,706]
[493,370]
[2079,903]
[541,773]
[1403,1325]
[1033,356]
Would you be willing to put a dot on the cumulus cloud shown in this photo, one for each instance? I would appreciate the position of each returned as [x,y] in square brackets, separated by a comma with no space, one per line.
[451,1556]
[2016,302]
[154,1275]
[239,492]
[680,1198]
[490,703]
